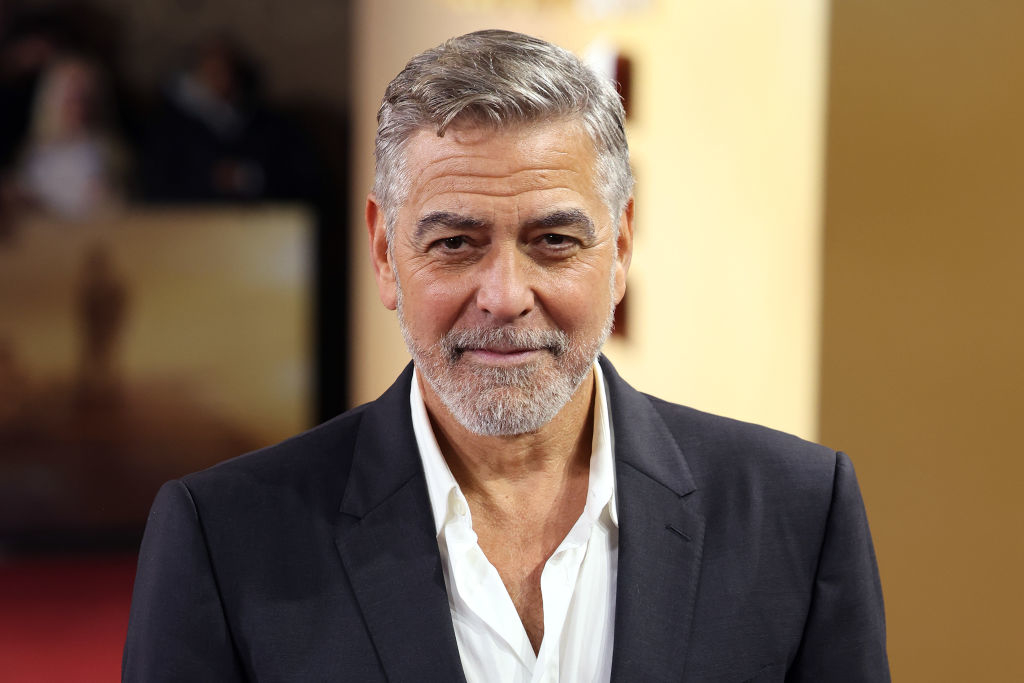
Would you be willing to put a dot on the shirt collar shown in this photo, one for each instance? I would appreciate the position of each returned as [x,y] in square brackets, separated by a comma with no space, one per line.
[441,485]
[445,494]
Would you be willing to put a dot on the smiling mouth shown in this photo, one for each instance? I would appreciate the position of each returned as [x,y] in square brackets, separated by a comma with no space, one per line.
[500,355]
[503,346]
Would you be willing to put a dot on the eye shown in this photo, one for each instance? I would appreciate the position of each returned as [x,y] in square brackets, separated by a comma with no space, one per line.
[451,243]
[555,243]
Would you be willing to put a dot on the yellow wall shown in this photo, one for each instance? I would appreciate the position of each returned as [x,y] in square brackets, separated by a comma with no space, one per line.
[727,148]
[923,347]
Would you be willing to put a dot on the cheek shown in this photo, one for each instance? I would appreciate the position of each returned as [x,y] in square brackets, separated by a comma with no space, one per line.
[434,302]
[580,301]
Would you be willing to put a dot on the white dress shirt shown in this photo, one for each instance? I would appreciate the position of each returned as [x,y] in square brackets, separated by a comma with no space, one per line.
[577,583]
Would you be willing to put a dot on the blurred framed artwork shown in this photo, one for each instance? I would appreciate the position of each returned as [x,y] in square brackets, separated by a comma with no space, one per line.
[136,349]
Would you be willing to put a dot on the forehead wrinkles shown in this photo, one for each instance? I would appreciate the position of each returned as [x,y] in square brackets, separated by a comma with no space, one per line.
[519,183]
[502,162]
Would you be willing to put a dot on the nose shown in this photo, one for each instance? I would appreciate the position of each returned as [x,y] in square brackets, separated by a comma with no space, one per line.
[505,290]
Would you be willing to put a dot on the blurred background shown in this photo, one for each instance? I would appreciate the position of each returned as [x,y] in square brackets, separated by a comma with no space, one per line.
[829,237]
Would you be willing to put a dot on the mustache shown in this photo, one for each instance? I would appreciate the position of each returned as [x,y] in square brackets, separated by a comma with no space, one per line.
[455,342]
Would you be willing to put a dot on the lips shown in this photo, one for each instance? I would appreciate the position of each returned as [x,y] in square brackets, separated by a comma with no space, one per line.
[490,355]
[502,349]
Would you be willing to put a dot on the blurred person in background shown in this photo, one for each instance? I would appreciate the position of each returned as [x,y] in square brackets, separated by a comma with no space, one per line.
[27,45]
[214,138]
[72,163]
[102,307]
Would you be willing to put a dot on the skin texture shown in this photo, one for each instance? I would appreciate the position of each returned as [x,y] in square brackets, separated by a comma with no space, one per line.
[507,229]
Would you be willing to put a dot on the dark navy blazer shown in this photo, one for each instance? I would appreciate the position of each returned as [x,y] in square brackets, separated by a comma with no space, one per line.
[744,555]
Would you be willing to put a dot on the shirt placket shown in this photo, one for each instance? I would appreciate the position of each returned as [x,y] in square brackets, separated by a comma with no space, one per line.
[558,583]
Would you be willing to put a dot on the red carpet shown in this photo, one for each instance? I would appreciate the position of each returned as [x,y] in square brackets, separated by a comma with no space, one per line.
[64,619]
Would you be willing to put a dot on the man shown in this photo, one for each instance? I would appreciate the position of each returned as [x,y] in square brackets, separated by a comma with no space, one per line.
[510,509]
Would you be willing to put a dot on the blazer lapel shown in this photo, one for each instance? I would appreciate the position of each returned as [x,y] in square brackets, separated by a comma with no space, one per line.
[660,541]
[388,546]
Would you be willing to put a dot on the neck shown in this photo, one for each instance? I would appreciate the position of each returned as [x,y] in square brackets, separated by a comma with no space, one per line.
[526,470]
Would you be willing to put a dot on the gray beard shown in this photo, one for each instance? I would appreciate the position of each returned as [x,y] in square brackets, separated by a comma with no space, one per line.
[505,401]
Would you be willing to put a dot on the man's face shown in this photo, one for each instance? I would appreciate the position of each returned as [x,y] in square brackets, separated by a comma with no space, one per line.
[505,269]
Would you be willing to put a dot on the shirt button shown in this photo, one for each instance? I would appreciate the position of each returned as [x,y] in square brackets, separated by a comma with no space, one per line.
[460,508]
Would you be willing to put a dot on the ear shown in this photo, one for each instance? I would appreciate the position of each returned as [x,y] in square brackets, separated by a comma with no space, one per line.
[379,255]
[624,256]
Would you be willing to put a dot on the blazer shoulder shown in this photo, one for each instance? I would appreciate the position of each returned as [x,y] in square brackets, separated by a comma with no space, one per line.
[720,449]
[309,474]
[317,458]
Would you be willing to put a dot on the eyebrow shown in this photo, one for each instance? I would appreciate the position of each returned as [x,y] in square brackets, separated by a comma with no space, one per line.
[566,218]
[446,219]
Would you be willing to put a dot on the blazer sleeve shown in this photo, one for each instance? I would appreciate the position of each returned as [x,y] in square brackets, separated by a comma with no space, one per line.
[844,636]
[177,630]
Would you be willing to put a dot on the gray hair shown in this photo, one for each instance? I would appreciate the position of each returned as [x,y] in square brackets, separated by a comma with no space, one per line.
[499,79]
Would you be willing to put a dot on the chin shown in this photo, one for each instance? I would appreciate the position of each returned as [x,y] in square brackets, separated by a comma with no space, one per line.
[505,400]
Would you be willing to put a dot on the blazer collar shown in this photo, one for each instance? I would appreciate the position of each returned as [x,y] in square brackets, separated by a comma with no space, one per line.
[385,536]
[660,540]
